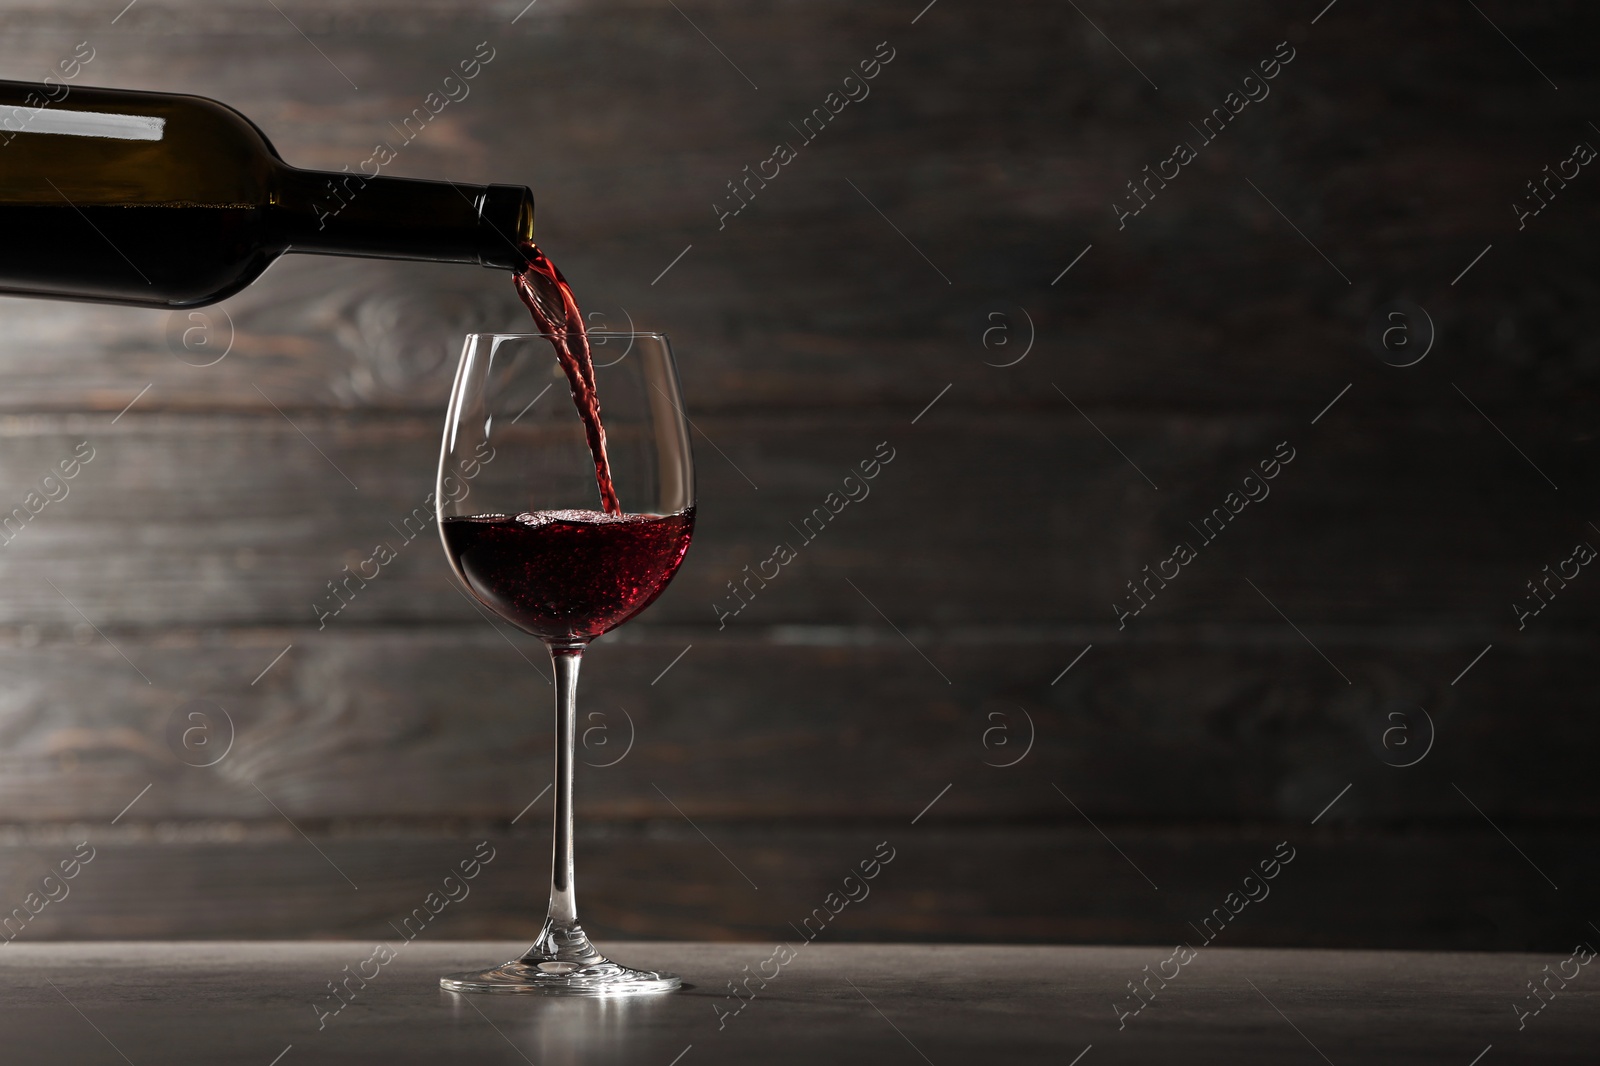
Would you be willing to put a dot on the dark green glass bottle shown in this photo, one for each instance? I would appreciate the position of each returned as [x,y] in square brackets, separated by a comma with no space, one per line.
[177,201]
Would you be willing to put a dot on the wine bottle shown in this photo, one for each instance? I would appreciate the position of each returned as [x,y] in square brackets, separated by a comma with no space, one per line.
[162,200]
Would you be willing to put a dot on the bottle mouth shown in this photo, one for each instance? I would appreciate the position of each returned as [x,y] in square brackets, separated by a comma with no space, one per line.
[505,217]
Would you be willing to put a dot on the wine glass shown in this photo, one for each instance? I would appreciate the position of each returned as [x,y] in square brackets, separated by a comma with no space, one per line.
[520,515]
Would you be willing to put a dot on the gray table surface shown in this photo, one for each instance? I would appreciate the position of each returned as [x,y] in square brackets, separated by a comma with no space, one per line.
[178,1003]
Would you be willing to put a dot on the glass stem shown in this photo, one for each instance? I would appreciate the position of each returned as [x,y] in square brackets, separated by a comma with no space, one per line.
[562,938]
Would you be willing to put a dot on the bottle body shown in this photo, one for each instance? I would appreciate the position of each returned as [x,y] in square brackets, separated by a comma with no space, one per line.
[177,201]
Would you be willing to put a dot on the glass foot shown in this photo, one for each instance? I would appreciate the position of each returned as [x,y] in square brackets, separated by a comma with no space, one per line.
[563,962]
[600,977]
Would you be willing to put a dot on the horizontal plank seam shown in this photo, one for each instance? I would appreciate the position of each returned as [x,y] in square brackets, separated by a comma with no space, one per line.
[179,831]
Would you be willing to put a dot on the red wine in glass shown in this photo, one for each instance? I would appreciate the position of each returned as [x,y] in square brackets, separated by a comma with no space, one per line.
[568,575]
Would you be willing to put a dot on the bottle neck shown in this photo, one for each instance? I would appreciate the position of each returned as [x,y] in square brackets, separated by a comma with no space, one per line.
[326,213]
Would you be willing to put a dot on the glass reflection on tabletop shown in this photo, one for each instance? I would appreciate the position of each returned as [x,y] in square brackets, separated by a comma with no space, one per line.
[566,1030]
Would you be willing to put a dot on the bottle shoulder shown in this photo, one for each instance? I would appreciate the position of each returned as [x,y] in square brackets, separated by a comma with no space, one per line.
[111,146]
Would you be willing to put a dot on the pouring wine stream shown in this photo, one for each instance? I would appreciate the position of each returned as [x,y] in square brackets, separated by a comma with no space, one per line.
[549,299]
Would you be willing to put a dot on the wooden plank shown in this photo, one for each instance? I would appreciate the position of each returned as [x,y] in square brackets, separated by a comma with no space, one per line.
[796,724]
[1036,519]
[207,527]
[980,884]
[628,169]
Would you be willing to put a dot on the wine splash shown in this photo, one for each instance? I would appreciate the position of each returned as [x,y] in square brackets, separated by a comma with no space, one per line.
[555,312]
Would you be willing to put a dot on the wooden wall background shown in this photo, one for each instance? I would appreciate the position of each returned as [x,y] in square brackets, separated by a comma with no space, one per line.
[1174,753]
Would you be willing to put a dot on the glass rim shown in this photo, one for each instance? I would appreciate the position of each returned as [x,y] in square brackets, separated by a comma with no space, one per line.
[587,333]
